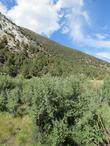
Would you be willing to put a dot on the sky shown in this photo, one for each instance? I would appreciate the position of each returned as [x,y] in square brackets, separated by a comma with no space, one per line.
[79,24]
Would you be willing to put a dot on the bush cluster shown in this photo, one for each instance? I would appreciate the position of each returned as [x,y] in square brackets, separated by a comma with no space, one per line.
[65,111]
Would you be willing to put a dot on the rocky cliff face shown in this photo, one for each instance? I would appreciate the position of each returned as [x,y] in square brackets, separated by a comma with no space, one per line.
[12,34]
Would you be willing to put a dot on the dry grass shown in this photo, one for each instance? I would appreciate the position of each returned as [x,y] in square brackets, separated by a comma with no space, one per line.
[96,84]
[15,131]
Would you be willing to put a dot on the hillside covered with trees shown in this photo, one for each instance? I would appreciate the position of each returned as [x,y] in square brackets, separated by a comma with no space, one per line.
[25,52]
[50,95]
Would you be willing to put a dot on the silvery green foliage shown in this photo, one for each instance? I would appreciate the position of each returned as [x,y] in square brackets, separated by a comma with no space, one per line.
[65,111]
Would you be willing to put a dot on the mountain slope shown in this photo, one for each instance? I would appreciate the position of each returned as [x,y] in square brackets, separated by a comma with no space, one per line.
[25,52]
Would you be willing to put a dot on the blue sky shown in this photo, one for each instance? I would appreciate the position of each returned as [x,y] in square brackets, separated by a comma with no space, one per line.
[79,24]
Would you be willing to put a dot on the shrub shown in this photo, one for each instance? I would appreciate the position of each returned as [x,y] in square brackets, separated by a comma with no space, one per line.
[55,106]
